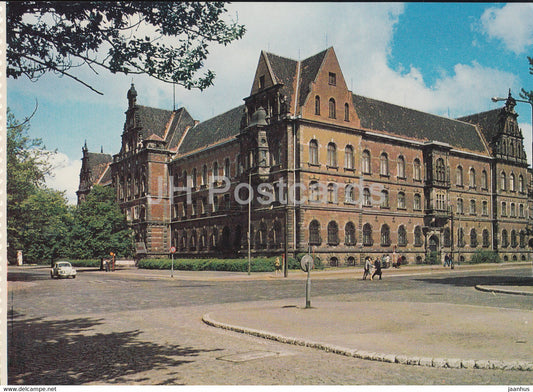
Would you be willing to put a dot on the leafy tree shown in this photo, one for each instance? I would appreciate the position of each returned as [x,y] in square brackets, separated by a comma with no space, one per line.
[47,220]
[100,227]
[125,37]
[27,165]
[528,94]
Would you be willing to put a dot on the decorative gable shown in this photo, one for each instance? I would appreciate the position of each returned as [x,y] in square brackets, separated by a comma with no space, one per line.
[326,97]
[264,77]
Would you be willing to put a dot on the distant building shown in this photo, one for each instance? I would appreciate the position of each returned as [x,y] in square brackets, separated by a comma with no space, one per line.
[94,170]
[368,177]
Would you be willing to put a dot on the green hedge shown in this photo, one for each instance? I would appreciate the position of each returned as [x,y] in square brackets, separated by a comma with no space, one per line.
[85,263]
[485,256]
[259,264]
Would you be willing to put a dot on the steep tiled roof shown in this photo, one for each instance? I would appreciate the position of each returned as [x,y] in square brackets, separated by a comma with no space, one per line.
[410,123]
[212,131]
[308,73]
[152,120]
[487,122]
[284,70]
[163,124]
[105,178]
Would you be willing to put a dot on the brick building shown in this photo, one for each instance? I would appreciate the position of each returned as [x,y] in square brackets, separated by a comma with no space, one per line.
[94,170]
[330,171]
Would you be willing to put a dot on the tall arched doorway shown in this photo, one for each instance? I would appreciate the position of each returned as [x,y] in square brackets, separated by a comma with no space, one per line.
[433,243]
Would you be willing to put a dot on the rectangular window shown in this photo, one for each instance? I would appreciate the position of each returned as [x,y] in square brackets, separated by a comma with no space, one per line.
[262,81]
[332,79]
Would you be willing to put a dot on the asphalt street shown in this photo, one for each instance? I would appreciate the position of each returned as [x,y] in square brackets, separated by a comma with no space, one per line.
[143,327]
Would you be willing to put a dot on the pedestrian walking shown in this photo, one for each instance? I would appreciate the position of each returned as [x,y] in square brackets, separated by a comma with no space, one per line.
[377,267]
[277,265]
[368,267]
[447,260]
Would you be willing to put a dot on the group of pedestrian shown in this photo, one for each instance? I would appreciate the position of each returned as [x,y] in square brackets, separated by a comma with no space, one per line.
[448,261]
[372,264]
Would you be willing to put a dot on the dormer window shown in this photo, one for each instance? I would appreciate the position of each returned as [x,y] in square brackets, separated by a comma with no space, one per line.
[332,79]
[262,82]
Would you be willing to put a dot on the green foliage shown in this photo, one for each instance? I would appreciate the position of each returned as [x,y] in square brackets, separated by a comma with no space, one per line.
[485,256]
[432,258]
[258,264]
[528,95]
[85,263]
[166,40]
[37,218]
[100,227]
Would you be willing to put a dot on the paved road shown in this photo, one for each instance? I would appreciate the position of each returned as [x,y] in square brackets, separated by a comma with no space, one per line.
[132,328]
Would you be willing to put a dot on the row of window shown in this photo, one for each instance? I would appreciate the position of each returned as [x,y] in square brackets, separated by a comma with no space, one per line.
[332,108]
[440,168]
[367,240]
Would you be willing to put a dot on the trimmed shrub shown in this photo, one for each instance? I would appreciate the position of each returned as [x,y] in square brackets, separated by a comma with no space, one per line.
[485,256]
[432,258]
[85,263]
[258,264]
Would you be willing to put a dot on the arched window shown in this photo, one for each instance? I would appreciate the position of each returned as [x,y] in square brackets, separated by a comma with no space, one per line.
[332,109]
[333,233]
[473,238]
[472,207]
[227,172]
[484,179]
[472,178]
[314,192]
[446,242]
[486,238]
[460,209]
[401,167]
[349,193]
[214,238]
[511,183]
[417,202]
[440,171]
[417,174]
[384,198]
[521,211]
[418,236]
[204,175]
[332,193]
[366,197]
[215,170]
[332,155]
[384,165]
[504,208]
[401,200]
[460,237]
[522,238]
[514,239]
[513,210]
[183,243]
[314,233]
[505,239]
[194,178]
[402,236]
[367,235]
[385,235]
[459,176]
[366,162]
[348,157]
[346,112]
[521,188]
[503,181]
[192,244]
[313,152]
[349,234]
[317,105]
[485,208]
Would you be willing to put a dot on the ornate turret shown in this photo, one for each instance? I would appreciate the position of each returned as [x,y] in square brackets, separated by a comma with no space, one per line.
[132,96]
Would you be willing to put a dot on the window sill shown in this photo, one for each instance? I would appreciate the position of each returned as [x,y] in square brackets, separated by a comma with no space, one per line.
[384,175]
[347,169]
[402,178]
[332,167]
[313,164]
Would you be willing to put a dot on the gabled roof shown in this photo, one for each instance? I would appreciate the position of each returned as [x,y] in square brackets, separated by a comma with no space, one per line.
[284,71]
[386,117]
[487,121]
[308,73]
[163,125]
[212,131]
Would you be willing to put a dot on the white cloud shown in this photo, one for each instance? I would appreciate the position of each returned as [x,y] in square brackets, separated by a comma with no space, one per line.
[65,175]
[513,24]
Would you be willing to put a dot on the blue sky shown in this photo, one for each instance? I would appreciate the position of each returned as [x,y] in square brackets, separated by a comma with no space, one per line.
[443,58]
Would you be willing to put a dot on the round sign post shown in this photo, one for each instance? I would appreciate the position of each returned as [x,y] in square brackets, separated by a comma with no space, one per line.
[307,263]
[172,251]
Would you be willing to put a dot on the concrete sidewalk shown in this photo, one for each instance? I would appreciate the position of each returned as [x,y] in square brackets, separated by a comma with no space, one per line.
[424,334]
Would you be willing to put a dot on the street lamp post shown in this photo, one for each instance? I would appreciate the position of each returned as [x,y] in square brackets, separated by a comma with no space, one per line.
[499,99]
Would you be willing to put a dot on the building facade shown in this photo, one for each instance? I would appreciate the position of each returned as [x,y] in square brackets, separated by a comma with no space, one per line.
[327,171]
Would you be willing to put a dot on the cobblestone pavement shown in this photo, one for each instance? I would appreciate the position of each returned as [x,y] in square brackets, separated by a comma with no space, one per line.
[111,329]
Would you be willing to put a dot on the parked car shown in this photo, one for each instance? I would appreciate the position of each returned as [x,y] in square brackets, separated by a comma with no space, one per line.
[62,269]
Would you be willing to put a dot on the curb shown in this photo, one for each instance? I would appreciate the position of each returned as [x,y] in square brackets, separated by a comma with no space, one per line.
[453,363]
[491,289]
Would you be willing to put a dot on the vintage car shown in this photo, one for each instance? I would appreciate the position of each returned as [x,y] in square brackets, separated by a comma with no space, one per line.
[62,269]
